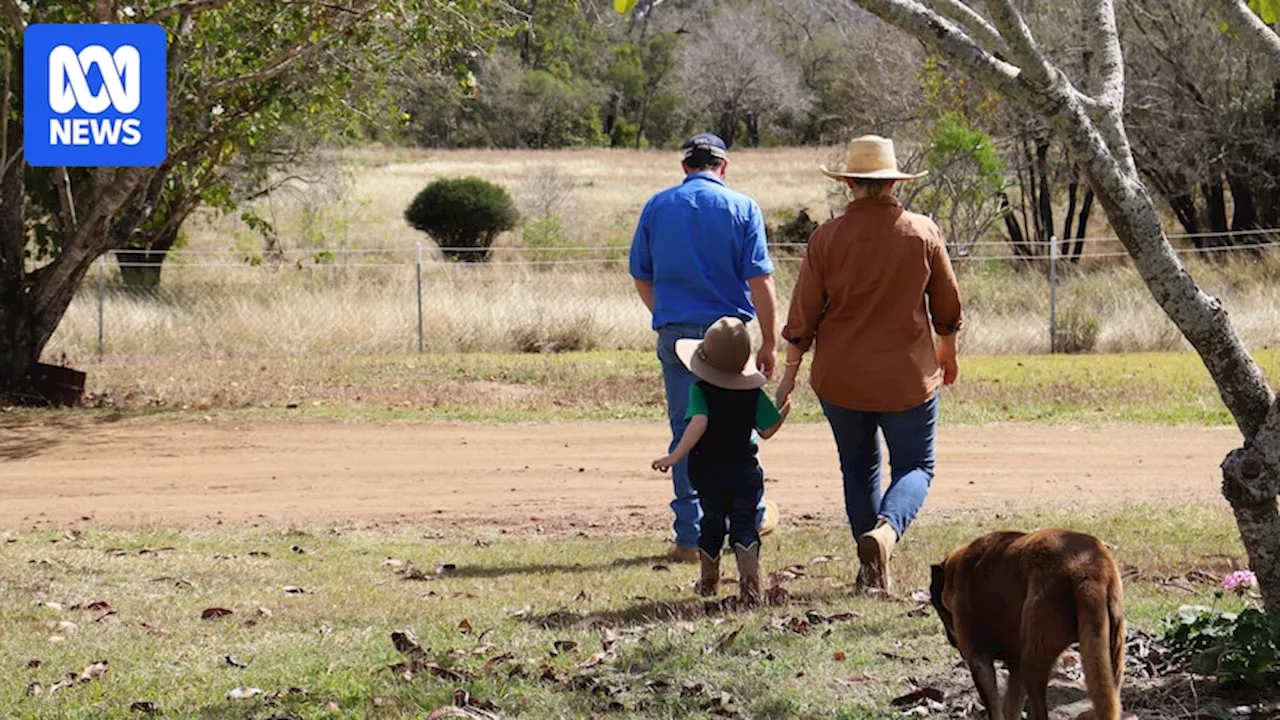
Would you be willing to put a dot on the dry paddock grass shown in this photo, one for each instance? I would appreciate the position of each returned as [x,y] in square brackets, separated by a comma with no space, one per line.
[362,300]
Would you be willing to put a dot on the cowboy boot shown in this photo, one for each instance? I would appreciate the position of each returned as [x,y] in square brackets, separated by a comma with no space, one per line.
[874,549]
[748,573]
[710,579]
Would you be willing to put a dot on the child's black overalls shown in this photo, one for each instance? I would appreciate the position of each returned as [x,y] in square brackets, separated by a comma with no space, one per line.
[725,471]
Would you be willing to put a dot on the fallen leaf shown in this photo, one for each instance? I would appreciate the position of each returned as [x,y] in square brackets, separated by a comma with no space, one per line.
[522,611]
[331,706]
[563,646]
[65,682]
[661,568]
[33,664]
[236,663]
[391,563]
[842,617]
[34,689]
[243,693]
[264,612]
[911,698]
[56,607]
[446,673]
[498,659]
[921,596]
[838,657]
[259,553]
[100,606]
[293,590]
[464,627]
[446,568]
[582,596]
[823,559]
[157,551]
[94,671]
[151,628]
[64,626]
[596,659]
[143,706]
[299,550]
[726,640]
[856,679]
[214,613]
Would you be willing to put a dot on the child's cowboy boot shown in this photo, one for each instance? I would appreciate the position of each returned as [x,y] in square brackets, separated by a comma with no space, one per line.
[710,578]
[748,573]
[874,550]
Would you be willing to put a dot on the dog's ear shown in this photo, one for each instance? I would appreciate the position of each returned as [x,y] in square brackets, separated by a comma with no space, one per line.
[937,581]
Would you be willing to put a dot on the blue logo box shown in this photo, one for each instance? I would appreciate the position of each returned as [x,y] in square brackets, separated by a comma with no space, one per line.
[95,95]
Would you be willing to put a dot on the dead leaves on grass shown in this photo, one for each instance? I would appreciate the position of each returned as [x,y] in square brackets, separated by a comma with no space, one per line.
[214,613]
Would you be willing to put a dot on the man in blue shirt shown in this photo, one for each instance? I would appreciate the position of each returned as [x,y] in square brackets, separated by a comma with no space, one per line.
[699,254]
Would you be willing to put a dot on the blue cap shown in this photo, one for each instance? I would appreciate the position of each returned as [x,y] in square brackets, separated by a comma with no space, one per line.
[708,143]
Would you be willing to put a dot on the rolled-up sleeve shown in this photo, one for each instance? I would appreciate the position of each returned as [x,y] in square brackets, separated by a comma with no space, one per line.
[641,260]
[808,299]
[755,249]
[943,293]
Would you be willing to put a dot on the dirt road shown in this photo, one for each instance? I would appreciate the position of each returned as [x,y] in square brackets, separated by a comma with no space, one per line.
[177,472]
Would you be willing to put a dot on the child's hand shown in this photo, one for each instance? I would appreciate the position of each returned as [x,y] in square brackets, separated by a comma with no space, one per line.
[785,410]
[664,463]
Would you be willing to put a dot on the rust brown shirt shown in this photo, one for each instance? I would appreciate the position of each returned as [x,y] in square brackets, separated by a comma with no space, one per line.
[873,283]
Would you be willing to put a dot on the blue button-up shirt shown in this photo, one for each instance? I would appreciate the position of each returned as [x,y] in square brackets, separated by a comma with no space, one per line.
[699,243]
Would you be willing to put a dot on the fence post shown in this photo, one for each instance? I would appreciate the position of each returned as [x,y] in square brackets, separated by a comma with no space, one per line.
[102,291]
[417,267]
[1053,295]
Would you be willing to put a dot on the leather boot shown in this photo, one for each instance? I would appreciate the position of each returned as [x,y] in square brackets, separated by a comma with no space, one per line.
[710,578]
[874,550]
[748,573]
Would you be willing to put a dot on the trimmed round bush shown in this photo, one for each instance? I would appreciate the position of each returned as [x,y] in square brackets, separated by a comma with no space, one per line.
[463,216]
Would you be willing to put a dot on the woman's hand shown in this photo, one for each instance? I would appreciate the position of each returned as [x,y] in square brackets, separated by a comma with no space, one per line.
[947,359]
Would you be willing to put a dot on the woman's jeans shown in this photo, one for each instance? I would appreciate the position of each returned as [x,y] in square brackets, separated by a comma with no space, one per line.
[677,380]
[909,435]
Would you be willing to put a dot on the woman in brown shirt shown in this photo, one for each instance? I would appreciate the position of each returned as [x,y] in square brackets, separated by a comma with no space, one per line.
[875,284]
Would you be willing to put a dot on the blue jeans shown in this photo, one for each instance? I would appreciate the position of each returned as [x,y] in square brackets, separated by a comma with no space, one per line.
[910,436]
[730,498]
[677,380]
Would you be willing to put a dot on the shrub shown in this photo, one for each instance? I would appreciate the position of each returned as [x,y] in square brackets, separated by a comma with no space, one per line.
[1237,649]
[547,238]
[1076,331]
[463,216]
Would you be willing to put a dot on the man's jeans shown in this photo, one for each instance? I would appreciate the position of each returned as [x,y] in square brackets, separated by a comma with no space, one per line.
[677,380]
[910,436]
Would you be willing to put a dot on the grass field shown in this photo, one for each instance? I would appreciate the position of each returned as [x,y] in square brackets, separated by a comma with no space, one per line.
[581,626]
[345,280]
[1144,388]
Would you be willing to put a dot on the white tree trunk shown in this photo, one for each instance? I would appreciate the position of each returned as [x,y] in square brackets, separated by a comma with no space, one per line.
[1093,130]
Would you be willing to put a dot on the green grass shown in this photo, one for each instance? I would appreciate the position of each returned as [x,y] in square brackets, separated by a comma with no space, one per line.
[1162,388]
[518,595]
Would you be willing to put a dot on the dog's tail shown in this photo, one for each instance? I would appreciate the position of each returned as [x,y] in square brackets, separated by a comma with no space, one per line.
[1100,624]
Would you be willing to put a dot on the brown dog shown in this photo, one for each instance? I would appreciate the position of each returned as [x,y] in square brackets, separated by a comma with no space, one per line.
[1022,599]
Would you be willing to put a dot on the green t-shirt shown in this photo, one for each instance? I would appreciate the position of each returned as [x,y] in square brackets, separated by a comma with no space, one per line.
[766,412]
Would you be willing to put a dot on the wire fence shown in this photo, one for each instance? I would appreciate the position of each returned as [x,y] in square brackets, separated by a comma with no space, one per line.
[222,303]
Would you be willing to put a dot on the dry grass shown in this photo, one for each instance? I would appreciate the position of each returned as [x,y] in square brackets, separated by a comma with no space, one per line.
[362,299]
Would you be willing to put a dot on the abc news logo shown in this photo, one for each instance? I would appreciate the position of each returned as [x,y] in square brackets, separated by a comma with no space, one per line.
[95,95]
[69,89]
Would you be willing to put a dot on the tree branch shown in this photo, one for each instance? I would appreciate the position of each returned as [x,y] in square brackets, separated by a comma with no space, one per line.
[944,35]
[1253,30]
[1018,37]
[14,14]
[192,7]
[1106,47]
[973,23]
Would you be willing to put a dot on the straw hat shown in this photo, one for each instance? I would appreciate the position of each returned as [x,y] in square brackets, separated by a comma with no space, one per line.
[723,356]
[871,157]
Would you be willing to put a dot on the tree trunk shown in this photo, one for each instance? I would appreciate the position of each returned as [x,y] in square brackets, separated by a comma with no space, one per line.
[1044,201]
[140,268]
[1011,225]
[1244,214]
[1215,202]
[1082,226]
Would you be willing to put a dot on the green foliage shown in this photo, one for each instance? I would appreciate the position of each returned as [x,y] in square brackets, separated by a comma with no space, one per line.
[1237,649]
[547,238]
[1268,10]
[952,138]
[463,216]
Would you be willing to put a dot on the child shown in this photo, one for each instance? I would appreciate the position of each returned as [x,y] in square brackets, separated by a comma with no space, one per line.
[726,408]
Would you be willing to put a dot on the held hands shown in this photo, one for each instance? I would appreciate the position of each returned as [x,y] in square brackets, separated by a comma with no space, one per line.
[665,462]
[766,360]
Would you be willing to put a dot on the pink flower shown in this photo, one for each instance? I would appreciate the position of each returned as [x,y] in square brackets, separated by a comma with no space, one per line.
[1240,580]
